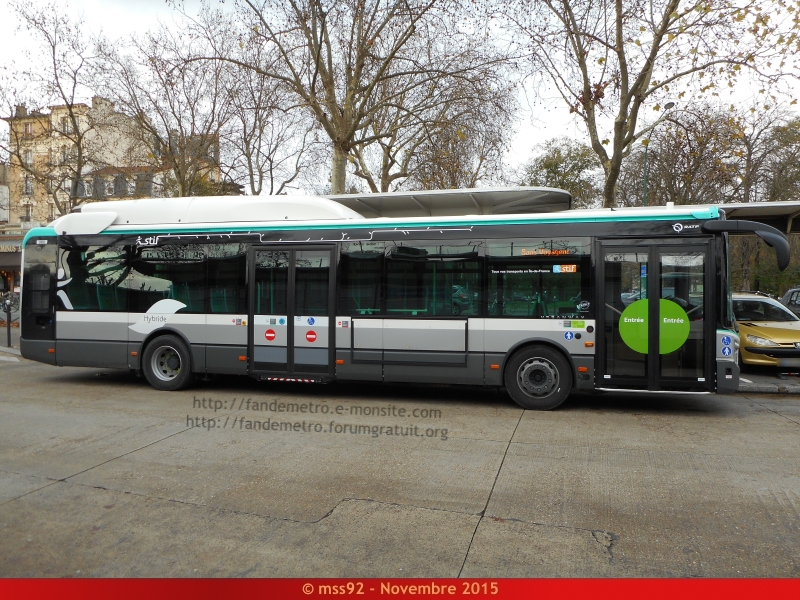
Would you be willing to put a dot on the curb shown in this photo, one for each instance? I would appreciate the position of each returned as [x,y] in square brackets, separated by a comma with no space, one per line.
[770,388]
[10,350]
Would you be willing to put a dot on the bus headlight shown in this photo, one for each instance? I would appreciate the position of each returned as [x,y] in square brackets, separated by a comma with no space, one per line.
[759,341]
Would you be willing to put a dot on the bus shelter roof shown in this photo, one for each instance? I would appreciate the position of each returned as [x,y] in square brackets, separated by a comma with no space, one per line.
[452,203]
[783,216]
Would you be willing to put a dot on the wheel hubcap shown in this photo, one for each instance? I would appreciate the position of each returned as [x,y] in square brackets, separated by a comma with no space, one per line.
[166,363]
[537,377]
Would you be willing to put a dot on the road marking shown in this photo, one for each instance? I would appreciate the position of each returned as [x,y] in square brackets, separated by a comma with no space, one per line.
[9,358]
[745,380]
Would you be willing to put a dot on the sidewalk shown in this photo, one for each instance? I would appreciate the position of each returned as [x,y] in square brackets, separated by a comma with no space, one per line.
[771,381]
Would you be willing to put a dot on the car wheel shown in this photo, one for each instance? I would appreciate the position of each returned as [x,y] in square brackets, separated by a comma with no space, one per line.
[538,378]
[167,364]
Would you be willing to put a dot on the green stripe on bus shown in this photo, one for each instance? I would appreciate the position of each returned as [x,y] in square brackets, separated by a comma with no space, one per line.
[406,225]
[39,232]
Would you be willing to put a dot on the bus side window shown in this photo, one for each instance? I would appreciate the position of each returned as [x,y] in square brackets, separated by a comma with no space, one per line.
[539,279]
[227,278]
[175,272]
[92,278]
[433,281]
[360,274]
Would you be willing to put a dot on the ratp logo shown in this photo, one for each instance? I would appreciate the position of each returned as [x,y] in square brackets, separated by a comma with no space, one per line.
[677,227]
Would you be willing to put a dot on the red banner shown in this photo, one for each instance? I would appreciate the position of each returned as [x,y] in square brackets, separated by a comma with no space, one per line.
[250,589]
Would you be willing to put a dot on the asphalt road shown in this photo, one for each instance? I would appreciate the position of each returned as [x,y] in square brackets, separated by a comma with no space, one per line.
[102,476]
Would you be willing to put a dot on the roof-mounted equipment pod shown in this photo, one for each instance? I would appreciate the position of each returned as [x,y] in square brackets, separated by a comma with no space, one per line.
[770,235]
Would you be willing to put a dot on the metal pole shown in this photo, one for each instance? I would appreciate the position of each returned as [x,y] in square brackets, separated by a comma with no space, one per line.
[644,197]
[8,322]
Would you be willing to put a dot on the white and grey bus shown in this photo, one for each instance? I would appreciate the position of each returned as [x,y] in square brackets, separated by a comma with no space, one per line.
[477,287]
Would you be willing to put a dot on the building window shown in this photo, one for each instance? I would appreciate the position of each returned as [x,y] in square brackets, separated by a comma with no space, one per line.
[66,125]
[99,188]
[52,212]
[28,129]
[27,187]
[120,186]
[64,155]
[27,158]
[28,213]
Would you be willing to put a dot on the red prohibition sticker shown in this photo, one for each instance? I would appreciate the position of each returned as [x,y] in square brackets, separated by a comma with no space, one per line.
[311,336]
[269,334]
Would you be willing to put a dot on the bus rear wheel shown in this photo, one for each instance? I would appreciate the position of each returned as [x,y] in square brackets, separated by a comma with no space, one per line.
[167,364]
[538,378]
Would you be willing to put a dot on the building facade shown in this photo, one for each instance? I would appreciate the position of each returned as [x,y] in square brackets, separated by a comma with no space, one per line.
[70,155]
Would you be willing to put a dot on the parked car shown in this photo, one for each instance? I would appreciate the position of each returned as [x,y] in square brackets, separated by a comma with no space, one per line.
[791,300]
[769,332]
[462,299]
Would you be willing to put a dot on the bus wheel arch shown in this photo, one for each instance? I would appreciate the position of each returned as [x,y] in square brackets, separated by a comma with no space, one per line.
[167,362]
[538,376]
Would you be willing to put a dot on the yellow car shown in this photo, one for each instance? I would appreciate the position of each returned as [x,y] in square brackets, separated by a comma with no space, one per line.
[769,332]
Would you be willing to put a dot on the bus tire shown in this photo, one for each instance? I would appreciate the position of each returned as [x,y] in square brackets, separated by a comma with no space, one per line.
[538,378]
[167,364]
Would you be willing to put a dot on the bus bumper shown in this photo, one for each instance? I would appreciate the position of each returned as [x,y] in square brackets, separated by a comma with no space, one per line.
[39,350]
[727,376]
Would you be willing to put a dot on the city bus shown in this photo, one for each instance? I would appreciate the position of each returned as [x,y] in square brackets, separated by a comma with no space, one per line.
[499,288]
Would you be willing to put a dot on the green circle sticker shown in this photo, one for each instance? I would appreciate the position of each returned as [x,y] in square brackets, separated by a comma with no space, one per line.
[673,327]
[633,326]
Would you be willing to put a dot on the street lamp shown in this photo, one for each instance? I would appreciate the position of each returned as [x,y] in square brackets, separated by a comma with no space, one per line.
[646,143]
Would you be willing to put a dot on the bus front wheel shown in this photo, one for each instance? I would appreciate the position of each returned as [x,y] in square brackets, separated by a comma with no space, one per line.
[167,364]
[538,378]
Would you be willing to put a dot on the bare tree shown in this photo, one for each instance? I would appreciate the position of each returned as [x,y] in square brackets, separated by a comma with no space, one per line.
[783,176]
[567,164]
[348,61]
[451,133]
[609,59]
[267,137]
[180,105]
[692,159]
[54,139]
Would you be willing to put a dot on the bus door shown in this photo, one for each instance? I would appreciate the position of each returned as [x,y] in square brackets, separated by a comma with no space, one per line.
[291,312]
[653,299]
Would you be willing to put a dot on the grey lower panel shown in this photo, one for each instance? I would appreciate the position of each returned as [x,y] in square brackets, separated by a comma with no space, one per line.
[367,356]
[269,354]
[198,358]
[583,381]
[91,353]
[311,356]
[38,350]
[727,376]
[418,356]
[225,359]
[133,361]
[494,376]
[92,327]
[469,374]
[350,371]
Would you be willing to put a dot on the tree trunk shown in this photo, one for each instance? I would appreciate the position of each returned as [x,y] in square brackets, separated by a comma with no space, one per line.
[338,170]
[610,186]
